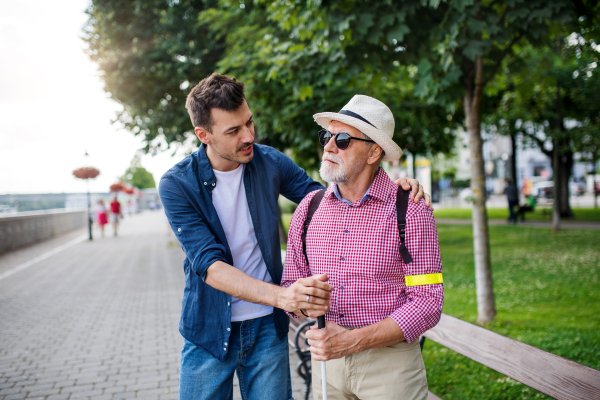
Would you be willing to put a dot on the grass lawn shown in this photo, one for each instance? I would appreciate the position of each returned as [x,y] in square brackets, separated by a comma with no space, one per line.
[581,214]
[547,294]
[547,289]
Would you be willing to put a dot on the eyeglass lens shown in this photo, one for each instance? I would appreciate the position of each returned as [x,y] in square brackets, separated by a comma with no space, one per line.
[342,140]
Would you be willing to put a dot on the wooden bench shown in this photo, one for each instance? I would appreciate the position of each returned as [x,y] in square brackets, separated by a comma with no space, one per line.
[545,372]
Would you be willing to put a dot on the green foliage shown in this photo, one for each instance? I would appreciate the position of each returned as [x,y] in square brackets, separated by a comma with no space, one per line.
[138,176]
[546,286]
[294,62]
[148,53]
[551,84]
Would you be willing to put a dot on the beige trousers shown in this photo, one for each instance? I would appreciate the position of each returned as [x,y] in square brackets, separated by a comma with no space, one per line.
[389,373]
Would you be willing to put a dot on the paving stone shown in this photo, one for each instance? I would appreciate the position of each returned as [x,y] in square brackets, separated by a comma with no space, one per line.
[99,320]
[58,397]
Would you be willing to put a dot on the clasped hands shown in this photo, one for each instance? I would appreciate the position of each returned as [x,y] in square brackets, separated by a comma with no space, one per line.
[311,296]
[307,296]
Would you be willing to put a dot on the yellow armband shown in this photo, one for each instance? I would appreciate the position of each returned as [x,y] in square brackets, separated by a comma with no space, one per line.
[427,279]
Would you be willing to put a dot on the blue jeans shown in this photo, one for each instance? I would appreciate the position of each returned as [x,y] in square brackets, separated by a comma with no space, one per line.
[260,358]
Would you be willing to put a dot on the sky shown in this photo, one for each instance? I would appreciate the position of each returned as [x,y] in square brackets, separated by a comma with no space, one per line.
[53,107]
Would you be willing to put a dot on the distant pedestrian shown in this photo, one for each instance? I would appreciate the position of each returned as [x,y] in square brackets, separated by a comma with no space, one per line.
[115,213]
[529,206]
[101,215]
[512,195]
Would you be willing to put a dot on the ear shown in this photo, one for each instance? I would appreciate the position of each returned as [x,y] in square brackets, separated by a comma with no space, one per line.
[374,154]
[202,134]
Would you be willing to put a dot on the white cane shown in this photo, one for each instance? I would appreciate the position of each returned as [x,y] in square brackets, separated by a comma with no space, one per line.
[321,325]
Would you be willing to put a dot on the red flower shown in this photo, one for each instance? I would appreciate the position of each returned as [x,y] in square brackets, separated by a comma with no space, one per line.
[86,173]
[117,187]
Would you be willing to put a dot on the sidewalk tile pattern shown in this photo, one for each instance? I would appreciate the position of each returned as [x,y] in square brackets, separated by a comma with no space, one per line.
[98,320]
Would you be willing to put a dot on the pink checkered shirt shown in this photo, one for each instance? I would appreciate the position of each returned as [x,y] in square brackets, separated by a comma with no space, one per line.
[357,246]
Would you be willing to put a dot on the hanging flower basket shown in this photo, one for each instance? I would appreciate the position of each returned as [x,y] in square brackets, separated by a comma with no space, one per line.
[117,187]
[86,173]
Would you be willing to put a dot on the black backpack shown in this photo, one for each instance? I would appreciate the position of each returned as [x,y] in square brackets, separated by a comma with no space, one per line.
[402,198]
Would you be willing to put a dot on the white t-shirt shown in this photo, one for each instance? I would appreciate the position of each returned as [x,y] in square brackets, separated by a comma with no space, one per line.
[229,199]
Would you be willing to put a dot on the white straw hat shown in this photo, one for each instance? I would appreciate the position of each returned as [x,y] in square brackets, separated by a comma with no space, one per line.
[371,117]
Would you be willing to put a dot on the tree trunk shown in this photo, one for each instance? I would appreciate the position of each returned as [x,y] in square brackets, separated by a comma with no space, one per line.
[557,188]
[556,164]
[513,158]
[486,309]
[566,167]
[595,171]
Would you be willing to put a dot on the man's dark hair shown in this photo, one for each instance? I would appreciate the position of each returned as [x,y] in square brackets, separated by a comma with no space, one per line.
[214,91]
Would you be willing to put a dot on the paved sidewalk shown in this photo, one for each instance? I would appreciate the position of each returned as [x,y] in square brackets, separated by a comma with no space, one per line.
[97,320]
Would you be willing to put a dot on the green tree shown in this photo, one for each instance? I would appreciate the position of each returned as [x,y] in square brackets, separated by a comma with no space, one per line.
[552,100]
[138,176]
[150,52]
[457,47]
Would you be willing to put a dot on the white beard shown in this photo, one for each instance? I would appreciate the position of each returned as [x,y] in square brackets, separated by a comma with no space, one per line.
[333,173]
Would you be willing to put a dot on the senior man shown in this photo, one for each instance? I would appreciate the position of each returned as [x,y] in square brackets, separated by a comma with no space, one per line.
[221,202]
[387,281]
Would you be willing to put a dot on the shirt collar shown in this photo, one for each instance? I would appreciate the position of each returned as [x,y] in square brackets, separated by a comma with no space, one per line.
[379,189]
[205,171]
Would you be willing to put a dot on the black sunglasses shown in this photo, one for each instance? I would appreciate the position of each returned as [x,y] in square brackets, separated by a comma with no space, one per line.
[342,139]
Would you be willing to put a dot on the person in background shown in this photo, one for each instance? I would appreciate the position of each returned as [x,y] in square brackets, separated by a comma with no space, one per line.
[101,215]
[512,195]
[529,206]
[115,213]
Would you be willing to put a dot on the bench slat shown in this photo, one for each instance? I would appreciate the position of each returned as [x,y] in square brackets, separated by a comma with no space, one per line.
[548,373]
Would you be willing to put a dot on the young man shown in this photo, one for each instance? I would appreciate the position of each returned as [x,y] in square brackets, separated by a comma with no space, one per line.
[382,300]
[221,202]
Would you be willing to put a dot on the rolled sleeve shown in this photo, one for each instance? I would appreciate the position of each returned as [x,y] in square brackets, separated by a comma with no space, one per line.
[295,266]
[423,308]
[196,239]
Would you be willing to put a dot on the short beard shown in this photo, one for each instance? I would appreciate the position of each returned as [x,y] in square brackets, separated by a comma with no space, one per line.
[234,157]
[333,174]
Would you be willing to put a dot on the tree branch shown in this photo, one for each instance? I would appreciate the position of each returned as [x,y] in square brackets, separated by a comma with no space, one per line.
[504,53]
[539,142]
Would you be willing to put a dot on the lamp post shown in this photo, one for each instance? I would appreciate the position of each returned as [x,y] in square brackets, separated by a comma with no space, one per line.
[87,173]
[89,202]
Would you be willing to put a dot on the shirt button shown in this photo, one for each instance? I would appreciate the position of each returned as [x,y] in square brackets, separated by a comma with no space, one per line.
[225,343]
[341,315]
[228,329]
[214,184]
[228,303]
[346,231]
[341,287]
[225,348]
[204,183]
[343,258]
[179,230]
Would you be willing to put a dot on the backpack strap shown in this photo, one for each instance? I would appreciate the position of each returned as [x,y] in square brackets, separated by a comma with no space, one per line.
[312,208]
[401,207]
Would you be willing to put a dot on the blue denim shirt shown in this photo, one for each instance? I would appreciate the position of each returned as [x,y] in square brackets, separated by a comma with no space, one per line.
[186,194]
